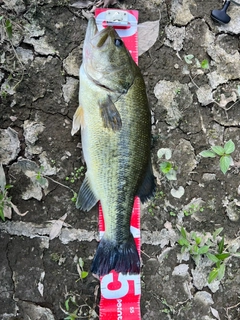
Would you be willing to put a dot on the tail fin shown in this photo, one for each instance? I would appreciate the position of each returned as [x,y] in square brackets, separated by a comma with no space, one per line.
[121,257]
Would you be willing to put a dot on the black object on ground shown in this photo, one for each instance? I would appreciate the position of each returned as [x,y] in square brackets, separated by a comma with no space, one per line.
[221,15]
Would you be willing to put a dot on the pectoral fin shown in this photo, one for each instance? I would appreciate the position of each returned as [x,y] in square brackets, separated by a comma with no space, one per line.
[148,187]
[78,120]
[109,114]
[86,198]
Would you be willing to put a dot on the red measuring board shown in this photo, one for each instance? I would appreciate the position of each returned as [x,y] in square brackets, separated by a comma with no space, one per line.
[120,294]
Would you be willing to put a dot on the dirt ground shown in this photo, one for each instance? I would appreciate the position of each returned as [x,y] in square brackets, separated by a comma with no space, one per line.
[192,76]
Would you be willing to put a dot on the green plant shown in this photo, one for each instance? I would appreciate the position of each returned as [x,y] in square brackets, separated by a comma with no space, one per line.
[74,310]
[166,167]
[189,58]
[219,258]
[42,180]
[82,274]
[76,174]
[193,244]
[153,204]
[192,209]
[7,24]
[71,315]
[6,204]
[223,152]
[198,245]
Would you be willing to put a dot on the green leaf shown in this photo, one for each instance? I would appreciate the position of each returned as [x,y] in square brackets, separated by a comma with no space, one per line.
[183,233]
[213,275]
[221,245]
[207,154]
[2,214]
[8,26]
[237,254]
[67,304]
[221,271]
[84,274]
[195,249]
[8,186]
[203,250]
[165,167]
[164,152]
[183,242]
[204,64]
[223,256]
[217,232]
[218,150]
[171,175]
[188,58]
[229,147]
[198,240]
[212,257]
[81,263]
[2,179]
[225,162]
[1,17]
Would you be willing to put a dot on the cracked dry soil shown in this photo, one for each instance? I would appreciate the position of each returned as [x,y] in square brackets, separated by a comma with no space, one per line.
[193,108]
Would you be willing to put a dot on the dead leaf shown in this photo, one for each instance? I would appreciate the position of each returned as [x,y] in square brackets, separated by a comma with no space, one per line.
[168,225]
[7,212]
[224,101]
[87,14]
[17,211]
[2,178]
[82,4]
[57,227]
[177,193]
[106,3]
[215,313]
[147,35]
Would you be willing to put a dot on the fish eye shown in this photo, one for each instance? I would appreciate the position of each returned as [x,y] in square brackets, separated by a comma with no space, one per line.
[118,42]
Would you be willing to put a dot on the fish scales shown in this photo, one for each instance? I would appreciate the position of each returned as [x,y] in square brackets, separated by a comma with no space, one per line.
[116,137]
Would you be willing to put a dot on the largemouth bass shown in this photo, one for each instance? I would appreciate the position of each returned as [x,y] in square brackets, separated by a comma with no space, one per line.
[115,123]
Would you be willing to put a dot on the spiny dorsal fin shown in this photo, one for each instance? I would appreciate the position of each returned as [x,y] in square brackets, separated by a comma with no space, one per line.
[110,115]
[86,198]
[78,120]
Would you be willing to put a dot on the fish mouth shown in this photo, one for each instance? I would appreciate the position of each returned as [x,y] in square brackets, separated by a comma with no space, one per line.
[97,38]
[92,30]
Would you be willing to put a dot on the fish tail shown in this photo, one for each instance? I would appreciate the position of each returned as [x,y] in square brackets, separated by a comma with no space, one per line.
[121,257]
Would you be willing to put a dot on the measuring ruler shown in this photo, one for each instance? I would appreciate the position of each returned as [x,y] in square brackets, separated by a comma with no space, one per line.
[120,294]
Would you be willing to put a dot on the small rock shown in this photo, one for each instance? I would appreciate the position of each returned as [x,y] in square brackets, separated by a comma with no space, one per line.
[204,95]
[175,37]
[181,11]
[209,176]
[204,297]
[72,63]
[33,311]
[69,88]
[181,270]
[31,132]
[9,145]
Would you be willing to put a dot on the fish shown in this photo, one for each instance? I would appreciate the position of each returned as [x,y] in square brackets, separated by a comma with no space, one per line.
[115,121]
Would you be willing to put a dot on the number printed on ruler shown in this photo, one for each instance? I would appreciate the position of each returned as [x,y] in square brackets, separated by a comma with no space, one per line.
[123,285]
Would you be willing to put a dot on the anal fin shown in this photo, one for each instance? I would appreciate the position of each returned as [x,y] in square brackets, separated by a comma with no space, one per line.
[86,198]
[109,114]
[78,120]
[148,186]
